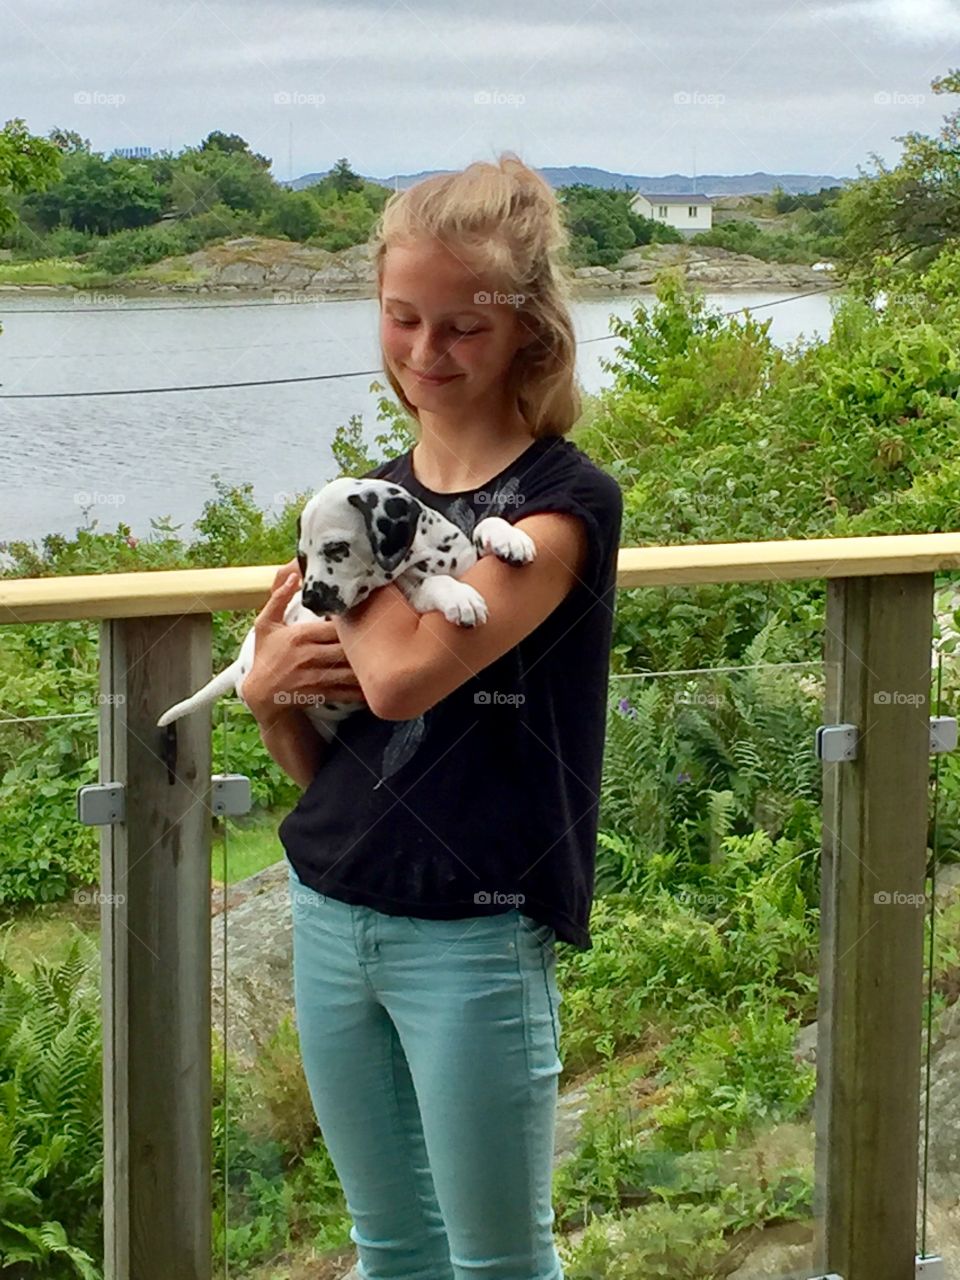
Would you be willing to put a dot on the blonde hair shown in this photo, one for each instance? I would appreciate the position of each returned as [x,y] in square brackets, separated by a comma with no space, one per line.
[505,220]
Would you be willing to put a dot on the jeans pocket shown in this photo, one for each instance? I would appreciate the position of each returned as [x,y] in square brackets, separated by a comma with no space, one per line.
[463,928]
[541,1000]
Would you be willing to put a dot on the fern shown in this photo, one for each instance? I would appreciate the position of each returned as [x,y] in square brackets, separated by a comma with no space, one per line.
[51,1144]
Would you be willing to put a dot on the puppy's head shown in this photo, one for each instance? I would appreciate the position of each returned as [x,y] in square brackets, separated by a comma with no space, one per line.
[353,536]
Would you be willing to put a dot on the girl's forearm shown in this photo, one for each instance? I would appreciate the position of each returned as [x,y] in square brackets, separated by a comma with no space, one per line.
[293,743]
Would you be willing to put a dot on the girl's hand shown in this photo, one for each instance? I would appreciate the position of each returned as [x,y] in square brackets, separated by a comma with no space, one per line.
[298,665]
[284,572]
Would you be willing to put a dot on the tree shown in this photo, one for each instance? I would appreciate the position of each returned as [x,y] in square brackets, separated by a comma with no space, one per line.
[205,176]
[27,164]
[343,179]
[68,140]
[911,211]
[232,144]
[98,195]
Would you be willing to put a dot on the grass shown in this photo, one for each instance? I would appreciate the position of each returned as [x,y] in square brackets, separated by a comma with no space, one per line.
[244,846]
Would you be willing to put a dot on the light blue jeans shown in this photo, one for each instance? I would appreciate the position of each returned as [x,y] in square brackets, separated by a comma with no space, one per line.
[430,1049]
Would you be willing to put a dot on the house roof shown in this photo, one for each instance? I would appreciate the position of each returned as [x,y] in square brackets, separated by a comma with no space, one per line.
[655,197]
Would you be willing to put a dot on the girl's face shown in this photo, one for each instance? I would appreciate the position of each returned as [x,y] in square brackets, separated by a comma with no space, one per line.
[449,339]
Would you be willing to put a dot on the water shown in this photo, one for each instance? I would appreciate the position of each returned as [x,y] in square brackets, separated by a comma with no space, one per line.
[66,463]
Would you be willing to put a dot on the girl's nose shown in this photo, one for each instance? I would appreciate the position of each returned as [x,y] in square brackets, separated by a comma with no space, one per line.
[427,349]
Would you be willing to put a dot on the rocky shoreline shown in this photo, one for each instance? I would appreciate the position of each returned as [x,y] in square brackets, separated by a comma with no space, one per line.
[257,267]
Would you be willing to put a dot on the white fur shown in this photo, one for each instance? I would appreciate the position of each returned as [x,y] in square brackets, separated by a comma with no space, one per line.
[355,536]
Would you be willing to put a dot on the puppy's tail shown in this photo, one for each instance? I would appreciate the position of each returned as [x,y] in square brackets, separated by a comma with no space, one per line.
[203,697]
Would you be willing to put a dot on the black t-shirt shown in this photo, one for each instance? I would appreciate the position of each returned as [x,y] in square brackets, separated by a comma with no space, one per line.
[489,800]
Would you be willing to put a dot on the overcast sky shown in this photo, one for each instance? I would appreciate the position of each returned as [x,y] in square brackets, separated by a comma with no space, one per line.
[733,86]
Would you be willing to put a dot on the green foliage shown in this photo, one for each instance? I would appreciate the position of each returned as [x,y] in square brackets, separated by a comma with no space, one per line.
[657,1242]
[736,1076]
[51,1144]
[806,238]
[27,164]
[603,226]
[908,212]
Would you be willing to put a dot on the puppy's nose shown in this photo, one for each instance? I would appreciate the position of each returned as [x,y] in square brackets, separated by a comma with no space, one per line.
[320,597]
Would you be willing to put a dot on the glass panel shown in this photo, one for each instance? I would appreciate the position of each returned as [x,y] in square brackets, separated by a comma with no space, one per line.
[51,1140]
[937,1231]
[278,1209]
[686,1125]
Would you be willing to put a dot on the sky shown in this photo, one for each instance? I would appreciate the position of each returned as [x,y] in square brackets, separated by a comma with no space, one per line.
[402,86]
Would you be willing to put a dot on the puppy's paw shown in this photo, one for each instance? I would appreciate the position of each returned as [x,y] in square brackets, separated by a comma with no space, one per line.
[496,536]
[467,608]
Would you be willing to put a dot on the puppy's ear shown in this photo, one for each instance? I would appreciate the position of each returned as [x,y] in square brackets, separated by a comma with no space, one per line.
[298,529]
[391,525]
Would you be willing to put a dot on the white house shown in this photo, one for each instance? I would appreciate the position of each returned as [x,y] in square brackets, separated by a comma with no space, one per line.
[687,213]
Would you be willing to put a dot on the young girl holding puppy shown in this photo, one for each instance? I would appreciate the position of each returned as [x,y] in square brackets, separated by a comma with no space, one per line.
[445,838]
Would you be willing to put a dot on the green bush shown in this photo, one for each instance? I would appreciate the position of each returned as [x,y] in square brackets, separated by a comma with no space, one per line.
[51,1135]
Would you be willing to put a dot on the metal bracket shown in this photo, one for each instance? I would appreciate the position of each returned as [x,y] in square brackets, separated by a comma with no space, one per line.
[943,734]
[101,805]
[838,742]
[230,794]
[930,1268]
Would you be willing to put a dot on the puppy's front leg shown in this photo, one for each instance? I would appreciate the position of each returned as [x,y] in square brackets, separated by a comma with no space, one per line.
[496,536]
[457,601]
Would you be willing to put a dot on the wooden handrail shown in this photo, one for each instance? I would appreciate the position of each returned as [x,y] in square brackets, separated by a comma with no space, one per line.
[163,592]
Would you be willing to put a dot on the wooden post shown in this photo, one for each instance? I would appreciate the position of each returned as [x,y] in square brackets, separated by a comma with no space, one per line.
[879,635]
[155,940]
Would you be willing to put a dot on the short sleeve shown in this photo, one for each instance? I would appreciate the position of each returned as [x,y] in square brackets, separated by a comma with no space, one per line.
[582,490]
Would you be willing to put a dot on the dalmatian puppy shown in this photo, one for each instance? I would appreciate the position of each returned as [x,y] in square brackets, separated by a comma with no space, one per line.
[356,535]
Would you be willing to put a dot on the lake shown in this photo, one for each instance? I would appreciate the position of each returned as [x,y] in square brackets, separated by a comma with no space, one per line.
[68,462]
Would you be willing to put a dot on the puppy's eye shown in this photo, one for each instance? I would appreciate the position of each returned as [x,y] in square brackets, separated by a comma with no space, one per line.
[336,550]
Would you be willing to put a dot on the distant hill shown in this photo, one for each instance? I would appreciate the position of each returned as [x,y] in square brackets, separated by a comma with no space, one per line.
[706,184]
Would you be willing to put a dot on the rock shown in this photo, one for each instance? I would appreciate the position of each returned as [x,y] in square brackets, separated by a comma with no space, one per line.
[592,273]
[805,1045]
[781,1253]
[259,932]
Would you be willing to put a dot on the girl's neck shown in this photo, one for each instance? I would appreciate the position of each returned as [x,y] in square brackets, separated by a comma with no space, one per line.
[452,460]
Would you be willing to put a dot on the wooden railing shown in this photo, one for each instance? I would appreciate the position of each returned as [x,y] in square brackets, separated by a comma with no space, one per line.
[155,647]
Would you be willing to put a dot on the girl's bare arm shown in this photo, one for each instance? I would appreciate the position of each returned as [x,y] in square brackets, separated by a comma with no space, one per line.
[293,743]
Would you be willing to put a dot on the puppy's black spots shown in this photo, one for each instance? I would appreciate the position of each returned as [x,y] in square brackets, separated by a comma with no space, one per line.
[395,507]
[453,564]
[443,546]
[422,565]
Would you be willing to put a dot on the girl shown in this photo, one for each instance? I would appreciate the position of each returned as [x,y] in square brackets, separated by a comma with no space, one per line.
[445,839]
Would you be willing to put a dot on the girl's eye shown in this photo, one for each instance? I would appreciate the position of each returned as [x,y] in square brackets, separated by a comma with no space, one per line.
[461,333]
